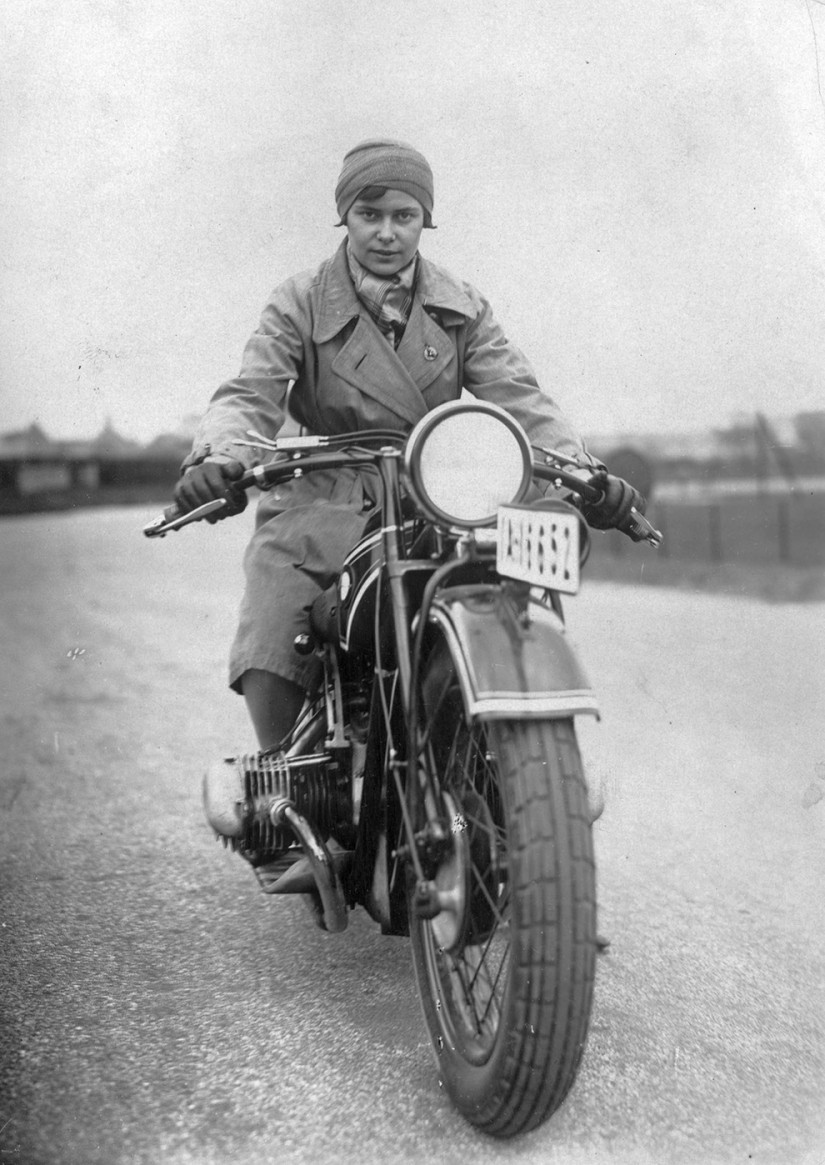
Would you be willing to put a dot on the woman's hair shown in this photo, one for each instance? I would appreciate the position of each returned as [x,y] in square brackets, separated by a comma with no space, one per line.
[372,193]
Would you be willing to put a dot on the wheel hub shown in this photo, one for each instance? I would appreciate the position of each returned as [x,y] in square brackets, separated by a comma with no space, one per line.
[450,885]
[465,885]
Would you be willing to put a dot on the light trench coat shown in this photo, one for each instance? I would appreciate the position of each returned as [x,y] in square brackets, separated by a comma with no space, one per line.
[345,375]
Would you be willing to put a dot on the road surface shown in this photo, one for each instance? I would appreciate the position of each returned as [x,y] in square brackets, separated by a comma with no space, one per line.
[157,1009]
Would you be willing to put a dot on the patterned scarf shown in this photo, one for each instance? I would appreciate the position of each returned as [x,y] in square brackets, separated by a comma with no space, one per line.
[389,301]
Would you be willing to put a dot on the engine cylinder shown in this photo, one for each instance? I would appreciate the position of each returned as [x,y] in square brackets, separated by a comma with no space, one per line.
[239,793]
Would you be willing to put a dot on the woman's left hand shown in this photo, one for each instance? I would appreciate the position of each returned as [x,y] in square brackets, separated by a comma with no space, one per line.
[618,498]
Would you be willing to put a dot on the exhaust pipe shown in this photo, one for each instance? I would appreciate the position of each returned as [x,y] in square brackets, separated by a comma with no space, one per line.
[327,879]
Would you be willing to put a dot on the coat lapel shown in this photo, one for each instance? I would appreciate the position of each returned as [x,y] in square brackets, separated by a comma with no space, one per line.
[425,350]
[369,363]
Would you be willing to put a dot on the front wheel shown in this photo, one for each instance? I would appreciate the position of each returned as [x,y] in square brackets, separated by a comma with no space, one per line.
[506,971]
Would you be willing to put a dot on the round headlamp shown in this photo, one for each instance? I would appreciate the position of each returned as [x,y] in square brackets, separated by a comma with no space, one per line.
[465,459]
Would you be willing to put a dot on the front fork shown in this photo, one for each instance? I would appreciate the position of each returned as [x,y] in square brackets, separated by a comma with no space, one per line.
[425,847]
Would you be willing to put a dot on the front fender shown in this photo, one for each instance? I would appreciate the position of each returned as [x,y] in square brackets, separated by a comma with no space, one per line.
[513,659]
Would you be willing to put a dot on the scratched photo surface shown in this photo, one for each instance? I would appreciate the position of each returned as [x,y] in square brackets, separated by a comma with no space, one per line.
[638,191]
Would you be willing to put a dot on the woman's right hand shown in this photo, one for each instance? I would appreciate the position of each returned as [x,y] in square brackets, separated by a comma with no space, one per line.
[210,480]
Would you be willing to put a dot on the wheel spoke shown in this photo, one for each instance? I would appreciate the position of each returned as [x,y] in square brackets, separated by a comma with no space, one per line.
[494,906]
[467,988]
[483,955]
[482,989]
[493,996]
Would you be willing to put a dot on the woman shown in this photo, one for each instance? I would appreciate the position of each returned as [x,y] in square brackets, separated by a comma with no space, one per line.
[375,338]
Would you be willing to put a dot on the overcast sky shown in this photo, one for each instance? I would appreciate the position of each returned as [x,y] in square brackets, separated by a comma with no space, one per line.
[638,186]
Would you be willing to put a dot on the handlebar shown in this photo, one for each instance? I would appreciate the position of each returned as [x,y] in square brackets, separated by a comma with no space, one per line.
[299,456]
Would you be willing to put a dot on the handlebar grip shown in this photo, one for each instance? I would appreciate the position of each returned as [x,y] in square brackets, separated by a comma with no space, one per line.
[555,473]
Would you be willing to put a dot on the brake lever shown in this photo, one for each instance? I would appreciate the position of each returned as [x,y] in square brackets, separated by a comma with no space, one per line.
[167,522]
[638,525]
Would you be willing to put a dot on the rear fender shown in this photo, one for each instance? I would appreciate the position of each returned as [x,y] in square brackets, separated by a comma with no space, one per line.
[511,655]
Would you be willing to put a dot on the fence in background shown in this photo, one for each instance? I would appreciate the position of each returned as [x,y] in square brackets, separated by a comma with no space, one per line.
[760,529]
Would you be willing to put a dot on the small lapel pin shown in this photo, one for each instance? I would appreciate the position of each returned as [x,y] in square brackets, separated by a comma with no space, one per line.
[430,353]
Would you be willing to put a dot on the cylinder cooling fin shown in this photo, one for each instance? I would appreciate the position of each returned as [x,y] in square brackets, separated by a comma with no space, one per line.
[238,808]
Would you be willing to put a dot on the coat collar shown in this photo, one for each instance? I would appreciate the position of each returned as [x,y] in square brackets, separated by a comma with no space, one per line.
[337,302]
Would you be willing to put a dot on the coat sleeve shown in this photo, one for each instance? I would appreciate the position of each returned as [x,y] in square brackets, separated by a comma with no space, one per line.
[256,398]
[497,371]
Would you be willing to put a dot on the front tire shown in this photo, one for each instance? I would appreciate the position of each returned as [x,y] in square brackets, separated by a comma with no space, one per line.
[506,983]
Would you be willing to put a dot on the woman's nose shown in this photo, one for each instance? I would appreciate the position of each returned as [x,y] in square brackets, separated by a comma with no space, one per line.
[386,229]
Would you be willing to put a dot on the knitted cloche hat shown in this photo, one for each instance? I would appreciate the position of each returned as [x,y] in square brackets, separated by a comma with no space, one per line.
[385,162]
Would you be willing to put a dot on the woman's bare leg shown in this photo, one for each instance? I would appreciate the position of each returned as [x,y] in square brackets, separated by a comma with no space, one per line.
[273,704]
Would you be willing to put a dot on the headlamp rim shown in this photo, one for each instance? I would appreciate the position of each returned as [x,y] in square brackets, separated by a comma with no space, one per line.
[415,445]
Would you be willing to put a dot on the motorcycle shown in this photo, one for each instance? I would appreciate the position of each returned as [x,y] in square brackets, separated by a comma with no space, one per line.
[434,778]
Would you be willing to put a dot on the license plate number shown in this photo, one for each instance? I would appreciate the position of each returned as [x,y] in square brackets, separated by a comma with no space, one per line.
[540,547]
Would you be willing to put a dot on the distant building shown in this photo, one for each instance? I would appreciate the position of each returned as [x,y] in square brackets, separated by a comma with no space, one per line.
[24,443]
[31,463]
[34,444]
[109,443]
[661,446]
[170,446]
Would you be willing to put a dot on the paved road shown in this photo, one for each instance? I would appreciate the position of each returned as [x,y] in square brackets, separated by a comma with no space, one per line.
[157,1009]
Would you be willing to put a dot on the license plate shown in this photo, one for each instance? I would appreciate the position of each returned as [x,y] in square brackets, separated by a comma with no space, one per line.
[540,547]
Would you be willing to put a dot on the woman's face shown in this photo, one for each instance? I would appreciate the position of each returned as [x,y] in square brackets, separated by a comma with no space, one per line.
[384,232]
